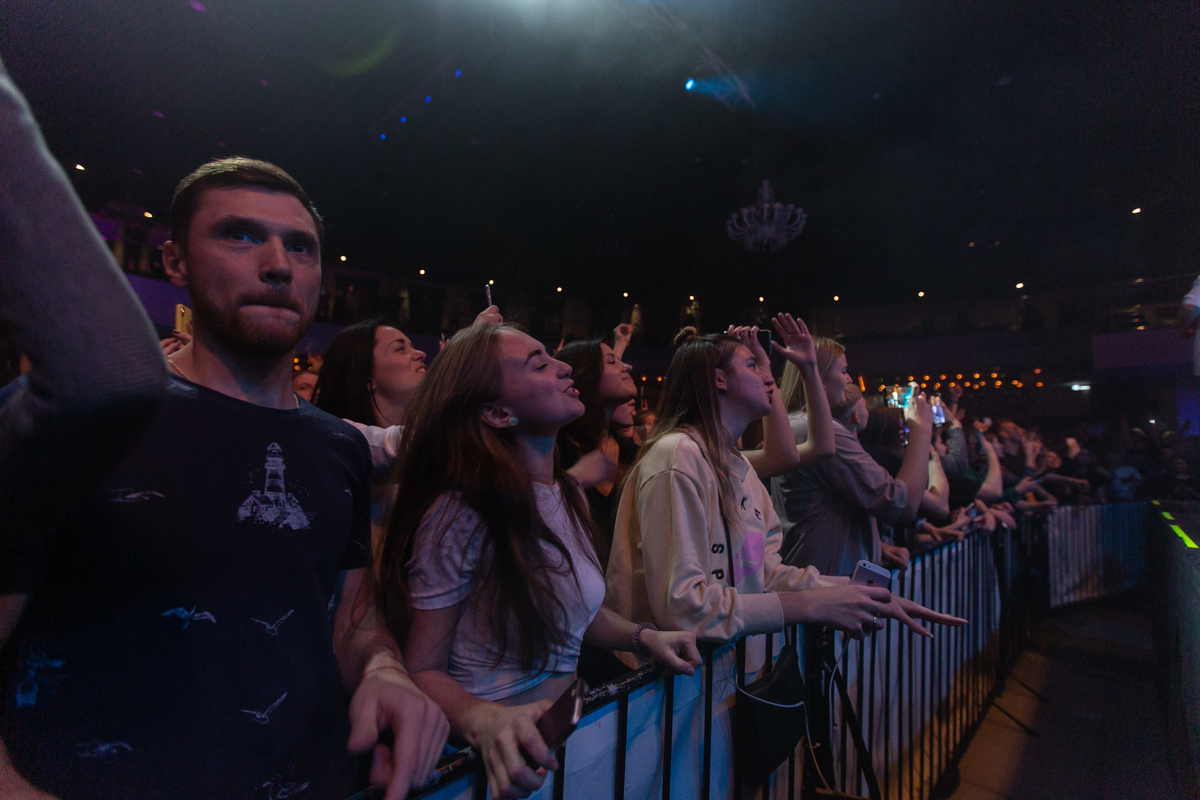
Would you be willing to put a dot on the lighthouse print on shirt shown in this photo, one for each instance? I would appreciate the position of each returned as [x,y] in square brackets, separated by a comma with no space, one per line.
[274,505]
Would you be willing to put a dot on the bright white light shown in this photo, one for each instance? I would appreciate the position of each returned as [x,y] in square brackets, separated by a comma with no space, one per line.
[1152,422]
[691,297]
[760,300]
[691,84]
[491,283]
[1020,286]
[421,272]
[343,258]
[624,294]
[1137,211]
[1080,387]
[79,167]
[559,289]
[148,215]
[920,294]
[836,298]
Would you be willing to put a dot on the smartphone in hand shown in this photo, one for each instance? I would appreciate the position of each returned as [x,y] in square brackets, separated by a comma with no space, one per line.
[561,719]
[868,574]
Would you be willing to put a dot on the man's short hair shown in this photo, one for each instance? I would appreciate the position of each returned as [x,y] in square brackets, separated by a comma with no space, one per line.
[227,172]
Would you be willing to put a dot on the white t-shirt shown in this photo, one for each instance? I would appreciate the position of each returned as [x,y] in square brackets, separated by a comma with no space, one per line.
[1192,298]
[443,573]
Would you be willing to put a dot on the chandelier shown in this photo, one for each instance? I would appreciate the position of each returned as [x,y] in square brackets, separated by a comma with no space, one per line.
[767,226]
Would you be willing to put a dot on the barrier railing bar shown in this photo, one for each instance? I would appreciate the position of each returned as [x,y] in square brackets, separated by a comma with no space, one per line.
[619,756]
[706,776]
[560,775]
[668,732]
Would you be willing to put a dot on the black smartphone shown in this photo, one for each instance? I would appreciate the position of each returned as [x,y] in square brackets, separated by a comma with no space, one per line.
[561,719]
[488,289]
[764,340]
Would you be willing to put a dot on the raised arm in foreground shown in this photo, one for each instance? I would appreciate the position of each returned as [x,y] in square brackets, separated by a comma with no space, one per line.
[97,373]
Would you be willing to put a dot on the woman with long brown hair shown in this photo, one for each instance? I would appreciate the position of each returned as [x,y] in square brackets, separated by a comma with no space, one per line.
[488,573]
[693,506]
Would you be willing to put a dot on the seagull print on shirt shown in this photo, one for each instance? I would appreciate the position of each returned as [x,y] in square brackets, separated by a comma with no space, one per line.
[273,629]
[263,717]
[190,616]
[95,749]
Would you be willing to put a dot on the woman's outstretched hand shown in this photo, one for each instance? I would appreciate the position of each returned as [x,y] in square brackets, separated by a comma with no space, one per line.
[798,346]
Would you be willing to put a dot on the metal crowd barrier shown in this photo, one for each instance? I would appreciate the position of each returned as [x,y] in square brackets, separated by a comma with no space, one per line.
[1095,550]
[912,703]
[1175,559]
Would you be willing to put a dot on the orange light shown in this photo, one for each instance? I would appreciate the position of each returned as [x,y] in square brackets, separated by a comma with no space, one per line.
[343,258]
[660,378]
[836,298]
[1039,384]
[862,384]
[421,272]
[959,377]
[920,294]
[994,375]
[1037,371]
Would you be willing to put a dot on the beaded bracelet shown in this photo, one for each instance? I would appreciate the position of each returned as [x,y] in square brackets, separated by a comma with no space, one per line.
[638,647]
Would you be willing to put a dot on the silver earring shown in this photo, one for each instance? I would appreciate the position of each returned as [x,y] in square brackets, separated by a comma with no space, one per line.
[513,422]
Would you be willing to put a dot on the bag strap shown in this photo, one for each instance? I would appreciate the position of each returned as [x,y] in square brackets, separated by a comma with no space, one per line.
[728,549]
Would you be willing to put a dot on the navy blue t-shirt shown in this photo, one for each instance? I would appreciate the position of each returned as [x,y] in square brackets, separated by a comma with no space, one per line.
[178,643]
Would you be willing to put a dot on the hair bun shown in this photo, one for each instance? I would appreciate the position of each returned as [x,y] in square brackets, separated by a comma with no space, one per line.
[686,335]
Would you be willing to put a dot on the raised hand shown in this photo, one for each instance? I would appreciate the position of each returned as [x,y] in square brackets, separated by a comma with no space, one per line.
[798,346]
[489,316]
[622,334]
[748,336]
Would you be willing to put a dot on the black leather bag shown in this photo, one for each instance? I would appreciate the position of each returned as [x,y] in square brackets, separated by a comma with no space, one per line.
[767,717]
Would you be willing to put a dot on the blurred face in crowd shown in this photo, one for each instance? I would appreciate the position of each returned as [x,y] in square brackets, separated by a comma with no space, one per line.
[623,416]
[856,418]
[399,367]
[303,384]
[746,388]
[535,388]
[616,383]
[252,268]
[1052,460]
[836,381]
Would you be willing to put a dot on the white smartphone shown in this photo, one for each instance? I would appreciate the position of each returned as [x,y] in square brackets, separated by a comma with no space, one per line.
[868,574]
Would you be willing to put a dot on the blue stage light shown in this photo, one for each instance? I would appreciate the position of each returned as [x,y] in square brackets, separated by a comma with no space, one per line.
[458,73]
[383,136]
[404,119]
[428,98]
[691,84]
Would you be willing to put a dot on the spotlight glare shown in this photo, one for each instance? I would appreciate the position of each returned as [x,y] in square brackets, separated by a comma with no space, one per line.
[428,97]
[148,215]
[624,294]
[421,272]
[836,298]
[559,289]
[1020,286]
[343,258]
[920,294]
[458,73]
[1137,211]
[491,283]
[760,300]
[691,297]
[404,119]
[691,84]
[79,167]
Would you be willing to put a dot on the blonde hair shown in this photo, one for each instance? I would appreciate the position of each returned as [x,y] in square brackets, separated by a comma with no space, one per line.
[792,384]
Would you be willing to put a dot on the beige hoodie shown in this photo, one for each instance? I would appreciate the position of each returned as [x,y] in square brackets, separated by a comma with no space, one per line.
[668,563]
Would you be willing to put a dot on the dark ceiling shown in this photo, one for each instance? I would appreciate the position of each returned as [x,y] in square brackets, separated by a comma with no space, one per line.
[569,153]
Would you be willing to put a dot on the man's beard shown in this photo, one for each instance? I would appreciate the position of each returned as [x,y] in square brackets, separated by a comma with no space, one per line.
[244,336]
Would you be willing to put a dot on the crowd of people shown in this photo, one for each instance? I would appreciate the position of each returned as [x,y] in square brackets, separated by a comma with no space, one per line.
[223,578]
